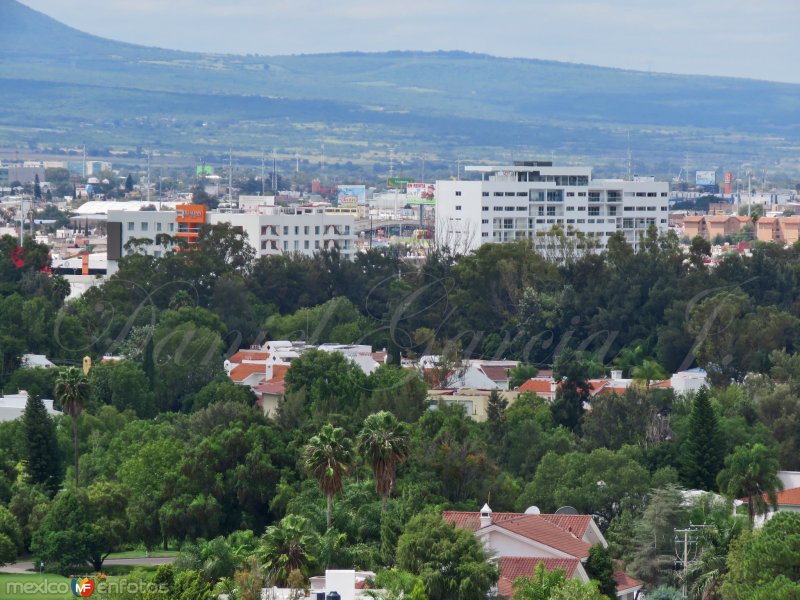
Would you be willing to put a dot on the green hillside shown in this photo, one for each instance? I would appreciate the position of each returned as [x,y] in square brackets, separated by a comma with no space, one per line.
[61,86]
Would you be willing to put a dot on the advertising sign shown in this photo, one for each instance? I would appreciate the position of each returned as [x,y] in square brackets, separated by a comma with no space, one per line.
[705,178]
[421,193]
[190,213]
[398,182]
[351,195]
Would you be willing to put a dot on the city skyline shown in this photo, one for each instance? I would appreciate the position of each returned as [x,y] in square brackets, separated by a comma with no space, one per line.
[710,38]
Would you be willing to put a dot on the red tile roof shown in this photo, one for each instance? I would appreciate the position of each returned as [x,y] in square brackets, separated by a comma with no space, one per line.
[537,386]
[790,497]
[243,355]
[495,373]
[512,568]
[273,388]
[533,527]
[244,371]
[279,372]
[625,582]
[575,524]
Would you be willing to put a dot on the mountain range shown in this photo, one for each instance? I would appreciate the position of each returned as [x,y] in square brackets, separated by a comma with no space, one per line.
[60,87]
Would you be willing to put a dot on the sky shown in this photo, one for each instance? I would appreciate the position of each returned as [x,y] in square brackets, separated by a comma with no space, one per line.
[759,40]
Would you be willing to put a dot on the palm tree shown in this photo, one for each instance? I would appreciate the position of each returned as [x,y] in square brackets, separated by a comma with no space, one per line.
[705,574]
[288,546]
[327,459]
[752,471]
[648,371]
[72,393]
[383,442]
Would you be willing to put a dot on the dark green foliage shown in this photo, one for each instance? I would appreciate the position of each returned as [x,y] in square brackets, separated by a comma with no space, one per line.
[42,455]
[451,562]
[572,373]
[600,568]
[702,450]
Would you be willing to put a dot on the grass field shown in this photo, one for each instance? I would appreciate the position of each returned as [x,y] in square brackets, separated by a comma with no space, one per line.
[141,554]
[48,586]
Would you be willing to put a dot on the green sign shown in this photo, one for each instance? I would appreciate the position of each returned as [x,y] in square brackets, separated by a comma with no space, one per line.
[398,182]
[205,170]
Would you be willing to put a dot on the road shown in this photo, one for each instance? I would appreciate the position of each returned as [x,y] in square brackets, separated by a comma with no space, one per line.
[27,567]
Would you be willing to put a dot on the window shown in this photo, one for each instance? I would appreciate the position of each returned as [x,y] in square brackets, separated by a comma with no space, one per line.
[540,220]
[158,226]
[594,211]
[555,195]
[537,196]
[664,208]
[594,196]
[498,193]
[522,208]
[570,208]
[664,194]
[144,225]
[172,226]
[581,194]
[551,211]
[628,208]
[347,229]
[458,207]
[641,195]
[485,193]
[522,194]
[316,244]
[541,210]
[612,211]
[651,194]
[581,220]
[297,244]
[485,208]
[305,230]
[663,220]
[651,209]
[508,223]
[510,194]
[627,223]
[570,221]
[305,245]
[316,230]
[285,230]
[285,245]
[297,229]
[458,193]
[130,225]
[509,209]
[485,234]
[583,208]
[264,244]
[264,231]
[484,221]
[570,194]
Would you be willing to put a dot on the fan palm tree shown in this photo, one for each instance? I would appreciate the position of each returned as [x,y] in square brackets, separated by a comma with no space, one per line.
[327,459]
[752,471]
[288,546]
[383,442]
[72,393]
[648,371]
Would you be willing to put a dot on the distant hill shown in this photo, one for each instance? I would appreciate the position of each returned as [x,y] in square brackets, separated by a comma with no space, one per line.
[62,86]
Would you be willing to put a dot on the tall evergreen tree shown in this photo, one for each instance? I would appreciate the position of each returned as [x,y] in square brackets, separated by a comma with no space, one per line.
[41,445]
[496,409]
[128,184]
[600,568]
[702,457]
[37,188]
[573,391]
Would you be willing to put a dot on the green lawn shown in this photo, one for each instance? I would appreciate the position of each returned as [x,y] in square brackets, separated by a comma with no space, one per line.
[141,554]
[8,583]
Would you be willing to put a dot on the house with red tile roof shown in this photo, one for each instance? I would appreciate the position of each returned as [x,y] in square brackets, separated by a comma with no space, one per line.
[520,541]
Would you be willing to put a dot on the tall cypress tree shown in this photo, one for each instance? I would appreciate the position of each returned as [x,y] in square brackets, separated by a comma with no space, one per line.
[41,445]
[702,457]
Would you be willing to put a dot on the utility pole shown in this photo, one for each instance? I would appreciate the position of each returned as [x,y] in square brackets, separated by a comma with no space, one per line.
[148,175]
[262,171]
[274,173]
[230,176]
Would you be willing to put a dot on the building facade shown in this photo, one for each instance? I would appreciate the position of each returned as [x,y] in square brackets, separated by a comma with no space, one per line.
[528,199]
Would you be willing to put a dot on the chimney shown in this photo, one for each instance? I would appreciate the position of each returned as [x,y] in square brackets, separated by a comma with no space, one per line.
[486,516]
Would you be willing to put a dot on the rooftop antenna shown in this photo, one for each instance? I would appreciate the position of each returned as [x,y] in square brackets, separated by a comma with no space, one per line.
[148,174]
[274,172]
[230,176]
[85,174]
[262,171]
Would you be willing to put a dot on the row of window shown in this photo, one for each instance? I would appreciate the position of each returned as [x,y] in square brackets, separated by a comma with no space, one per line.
[272,229]
[270,245]
[145,226]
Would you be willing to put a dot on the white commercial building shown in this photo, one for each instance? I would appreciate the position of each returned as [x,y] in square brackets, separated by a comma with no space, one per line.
[528,199]
[270,230]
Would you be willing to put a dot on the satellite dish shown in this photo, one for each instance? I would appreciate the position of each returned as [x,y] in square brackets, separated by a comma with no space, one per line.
[567,510]
[533,510]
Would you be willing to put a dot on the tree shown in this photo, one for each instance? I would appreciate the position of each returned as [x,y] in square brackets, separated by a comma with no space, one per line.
[130,389]
[289,546]
[554,585]
[764,564]
[570,370]
[331,382]
[72,393]
[600,568]
[43,460]
[65,539]
[327,459]
[451,562]
[11,541]
[648,372]
[706,573]
[520,374]
[496,408]
[128,184]
[752,471]
[702,450]
[37,188]
[384,443]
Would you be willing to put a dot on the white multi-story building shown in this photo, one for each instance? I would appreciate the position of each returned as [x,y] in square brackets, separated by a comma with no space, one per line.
[271,230]
[528,199]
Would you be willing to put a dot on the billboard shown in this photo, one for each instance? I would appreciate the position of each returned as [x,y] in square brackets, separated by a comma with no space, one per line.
[351,195]
[705,178]
[420,193]
[398,182]
[203,170]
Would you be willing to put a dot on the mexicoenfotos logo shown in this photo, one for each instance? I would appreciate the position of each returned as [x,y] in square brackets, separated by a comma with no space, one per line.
[82,588]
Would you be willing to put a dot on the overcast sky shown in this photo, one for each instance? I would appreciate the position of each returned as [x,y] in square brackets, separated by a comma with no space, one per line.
[717,37]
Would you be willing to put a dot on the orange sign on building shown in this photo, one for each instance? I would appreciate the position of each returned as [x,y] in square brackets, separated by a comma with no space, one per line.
[190,218]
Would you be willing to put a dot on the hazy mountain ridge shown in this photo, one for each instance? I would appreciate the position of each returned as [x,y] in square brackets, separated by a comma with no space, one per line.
[514,97]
